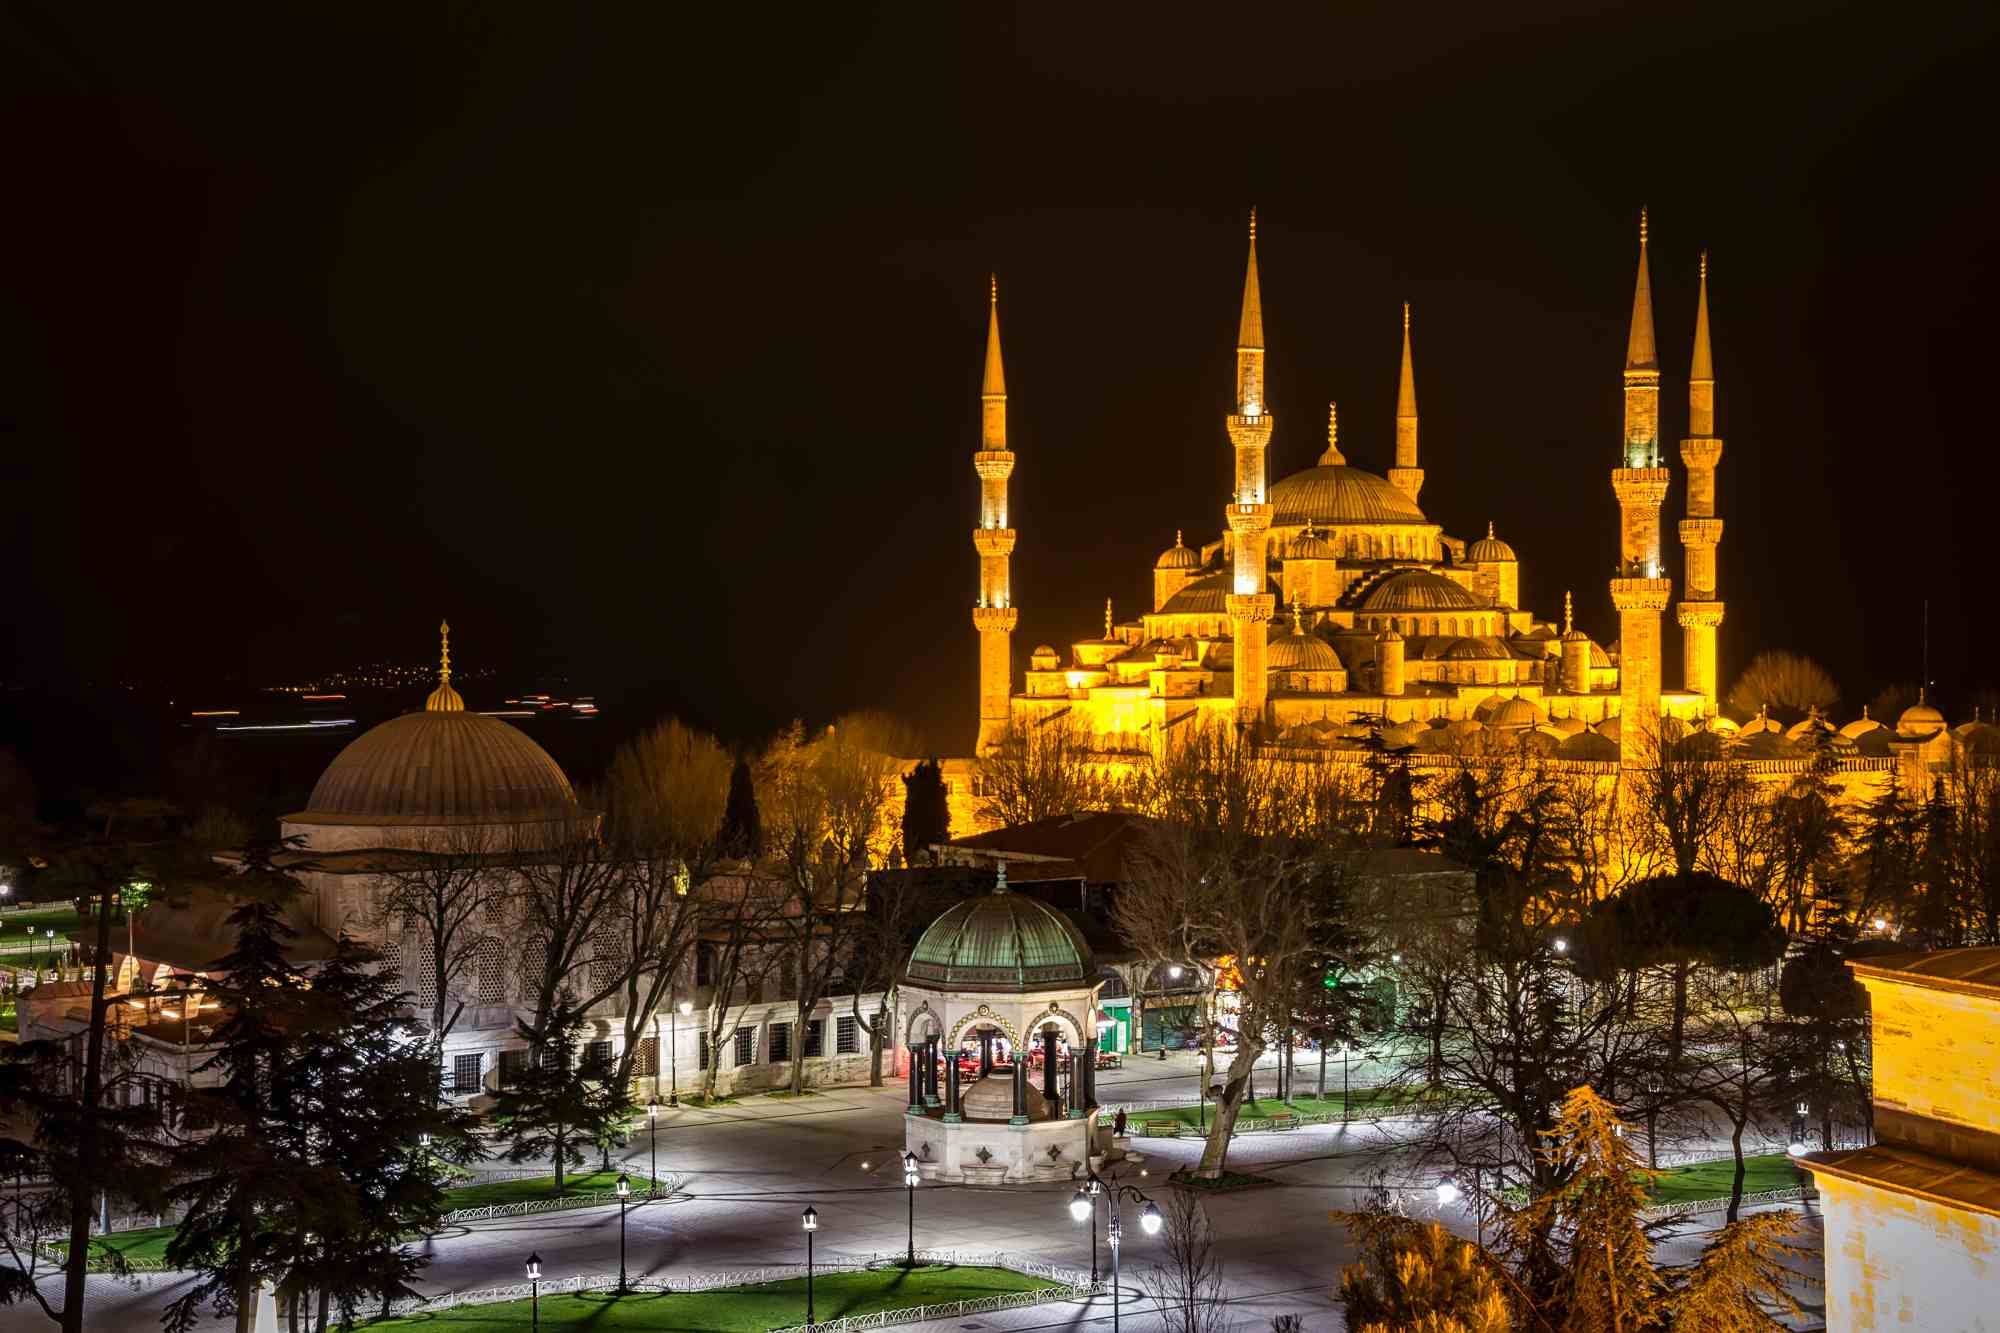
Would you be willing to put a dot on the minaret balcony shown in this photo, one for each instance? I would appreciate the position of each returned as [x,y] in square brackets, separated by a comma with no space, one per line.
[994,464]
[1701,451]
[1641,487]
[1701,531]
[1252,606]
[1641,594]
[1699,615]
[988,619]
[993,541]
[1247,518]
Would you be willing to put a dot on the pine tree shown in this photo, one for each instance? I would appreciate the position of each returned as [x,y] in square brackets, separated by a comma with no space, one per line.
[926,812]
[558,1107]
[1419,1276]
[742,826]
[1582,1244]
[1740,1279]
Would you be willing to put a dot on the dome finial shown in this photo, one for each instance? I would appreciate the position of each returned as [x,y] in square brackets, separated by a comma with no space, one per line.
[999,877]
[1309,526]
[1253,222]
[1642,224]
[1568,624]
[444,699]
[1489,529]
[1298,618]
[1107,617]
[1332,457]
[1177,536]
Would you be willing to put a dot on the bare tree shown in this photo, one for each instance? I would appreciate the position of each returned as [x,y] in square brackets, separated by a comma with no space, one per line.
[1041,769]
[573,902]
[1240,872]
[445,892]
[1683,795]
[1787,684]
[665,794]
[824,828]
[737,953]
[1187,1286]
[1735,1063]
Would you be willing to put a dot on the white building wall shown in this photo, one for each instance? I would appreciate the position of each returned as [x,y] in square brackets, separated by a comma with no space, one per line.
[1897,1262]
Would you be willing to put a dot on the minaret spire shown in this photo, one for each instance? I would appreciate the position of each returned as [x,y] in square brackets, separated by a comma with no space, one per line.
[1332,457]
[1639,591]
[1700,613]
[1248,513]
[1406,476]
[994,614]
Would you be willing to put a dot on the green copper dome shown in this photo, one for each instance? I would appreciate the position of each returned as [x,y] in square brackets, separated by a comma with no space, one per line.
[1000,942]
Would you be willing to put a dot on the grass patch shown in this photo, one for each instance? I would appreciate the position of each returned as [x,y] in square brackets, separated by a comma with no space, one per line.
[1364,1102]
[139,1243]
[787,1092]
[696,1099]
[536,1187]
[1711,1180]
[1222,1184]
[736,1309]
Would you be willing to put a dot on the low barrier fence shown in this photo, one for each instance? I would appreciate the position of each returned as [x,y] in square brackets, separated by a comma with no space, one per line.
[596,1199]
[1071,1285]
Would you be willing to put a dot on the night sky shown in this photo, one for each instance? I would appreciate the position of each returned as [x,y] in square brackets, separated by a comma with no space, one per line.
[650,351]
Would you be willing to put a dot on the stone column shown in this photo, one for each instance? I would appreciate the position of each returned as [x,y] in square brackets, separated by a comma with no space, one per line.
[930,1071]
[917,1080]
[1089,1098]
[1020,1086]
[985,1052]
[951,1103]
[1049,1040]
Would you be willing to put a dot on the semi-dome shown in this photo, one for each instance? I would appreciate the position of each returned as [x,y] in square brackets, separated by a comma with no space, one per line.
[1206,596]
[1598,657]
[1000,941]
[1489,549]
[1178,556]
[1336,493]
[1419,590]
[1476,648]
[1302,652]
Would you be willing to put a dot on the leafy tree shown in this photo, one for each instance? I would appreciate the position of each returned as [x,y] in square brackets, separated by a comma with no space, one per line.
[742,826]
[1788,685]
[1415,1275]
[926,812]
[558,1106]
[1888,855]
[1822,1051]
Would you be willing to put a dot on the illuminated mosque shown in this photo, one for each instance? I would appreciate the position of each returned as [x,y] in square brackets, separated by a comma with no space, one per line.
[1331,611]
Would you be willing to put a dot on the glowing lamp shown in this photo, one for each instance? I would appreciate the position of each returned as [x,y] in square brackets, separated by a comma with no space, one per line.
[686,1007]
[1562,945]
[1447,1192]
[534,1268]
[1150,1219]
[809,1219]
[624,1186]
[1079,1205]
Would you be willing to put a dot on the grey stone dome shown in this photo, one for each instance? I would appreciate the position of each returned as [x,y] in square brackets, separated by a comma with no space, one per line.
[438,768]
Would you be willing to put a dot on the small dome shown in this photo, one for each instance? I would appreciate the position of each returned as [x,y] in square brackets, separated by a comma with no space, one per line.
[1598,657]
[1477,648]
[1178,556]
[1920,719]
[1310,546]
[1610,730]
[1389,635]
[1044,658]
[1569,726]
[1000,941]
[1207,595]
[1587,745]
[1489,549]
[1575,636]
[1516,714]
[1302,652]
[1419,590]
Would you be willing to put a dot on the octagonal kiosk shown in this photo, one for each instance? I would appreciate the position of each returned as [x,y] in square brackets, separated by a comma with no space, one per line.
[997,1011]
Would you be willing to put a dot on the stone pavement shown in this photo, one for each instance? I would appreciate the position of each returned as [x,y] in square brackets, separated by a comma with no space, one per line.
[747,1170]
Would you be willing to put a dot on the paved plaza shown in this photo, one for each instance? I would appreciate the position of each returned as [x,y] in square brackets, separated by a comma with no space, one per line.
[747,1170]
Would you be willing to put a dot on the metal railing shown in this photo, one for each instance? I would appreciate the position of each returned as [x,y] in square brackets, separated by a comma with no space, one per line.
[1071,1284]
[1795,1194]
[597,1198]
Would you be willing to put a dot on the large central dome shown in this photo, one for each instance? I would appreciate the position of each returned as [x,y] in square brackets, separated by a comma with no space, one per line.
[1334,493]
[1000,941]
[438,767]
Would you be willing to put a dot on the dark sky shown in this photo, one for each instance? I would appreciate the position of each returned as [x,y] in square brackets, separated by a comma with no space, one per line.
[650,350]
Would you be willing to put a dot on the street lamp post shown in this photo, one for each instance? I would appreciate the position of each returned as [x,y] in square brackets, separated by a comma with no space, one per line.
[535,1291]
[682,1010]
[51,951]
[1082,1207]
[910,1185]
[653,1134]
[810,1221]
[624,1193]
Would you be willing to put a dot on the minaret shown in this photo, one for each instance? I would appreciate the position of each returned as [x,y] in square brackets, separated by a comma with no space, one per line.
[994,615]
[1701,531]
[1406,476]
[1639,592]
[444,699]
[1248,513]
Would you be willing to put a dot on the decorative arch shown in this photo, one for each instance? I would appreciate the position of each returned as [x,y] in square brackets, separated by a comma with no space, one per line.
[1054,1011]
[982,1017]
[926,1016]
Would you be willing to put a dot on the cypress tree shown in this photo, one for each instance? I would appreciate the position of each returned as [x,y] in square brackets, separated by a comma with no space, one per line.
[742,826]
[926,811]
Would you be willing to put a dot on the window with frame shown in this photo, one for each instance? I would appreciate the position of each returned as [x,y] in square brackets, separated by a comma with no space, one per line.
[427,990]
[597,1057]
[846,1035]
[465,1073]
[646,1059]
[492,972]
[703,1050]
[512,1065]
[746,1046]
[554,1058]
[781,1042]
[815,1038]
[392,959]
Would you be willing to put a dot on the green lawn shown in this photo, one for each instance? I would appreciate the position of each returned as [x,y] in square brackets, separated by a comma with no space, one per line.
[537,1187]
[1364,1102]
[13,925]
[1710,1180]
[143,1243]
[737,1309]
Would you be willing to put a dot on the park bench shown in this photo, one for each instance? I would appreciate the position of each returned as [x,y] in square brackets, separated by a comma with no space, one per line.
[1290,1120]
[1160,1129]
